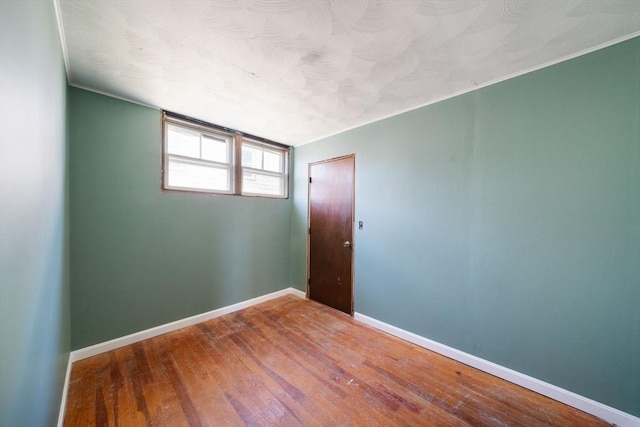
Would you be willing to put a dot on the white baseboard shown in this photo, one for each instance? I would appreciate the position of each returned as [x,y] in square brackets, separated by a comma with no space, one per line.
[592,407]
[65,391]
[600,410]
[103,347]
[297,292]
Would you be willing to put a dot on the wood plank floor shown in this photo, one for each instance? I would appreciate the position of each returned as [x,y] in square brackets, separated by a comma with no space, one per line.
[293,362]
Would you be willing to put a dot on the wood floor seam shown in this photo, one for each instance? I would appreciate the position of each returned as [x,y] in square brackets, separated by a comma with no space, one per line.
[294,362]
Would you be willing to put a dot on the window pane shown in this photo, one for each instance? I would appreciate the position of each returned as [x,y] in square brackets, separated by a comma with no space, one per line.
[183,142]
[185,173]
[251,156]
[272,161]
[258,183]
[215,149]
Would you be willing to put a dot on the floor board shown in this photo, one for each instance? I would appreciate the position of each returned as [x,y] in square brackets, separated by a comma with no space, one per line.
[293,362]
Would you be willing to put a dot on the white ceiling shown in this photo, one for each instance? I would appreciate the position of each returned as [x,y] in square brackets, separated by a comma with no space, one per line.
[297,70]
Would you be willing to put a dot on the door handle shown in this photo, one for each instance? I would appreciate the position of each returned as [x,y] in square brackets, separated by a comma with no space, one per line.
[347,244]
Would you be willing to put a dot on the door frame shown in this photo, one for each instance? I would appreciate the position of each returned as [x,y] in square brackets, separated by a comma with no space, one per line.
[353,221]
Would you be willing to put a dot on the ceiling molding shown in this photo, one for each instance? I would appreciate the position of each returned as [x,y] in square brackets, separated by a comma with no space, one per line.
[490,83]
[110,95]
[298,71]
[63,40]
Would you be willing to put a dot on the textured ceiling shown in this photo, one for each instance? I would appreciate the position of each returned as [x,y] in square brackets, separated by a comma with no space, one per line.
[297,70]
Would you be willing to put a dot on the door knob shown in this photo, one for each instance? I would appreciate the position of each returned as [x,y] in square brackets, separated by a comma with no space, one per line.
[347,244]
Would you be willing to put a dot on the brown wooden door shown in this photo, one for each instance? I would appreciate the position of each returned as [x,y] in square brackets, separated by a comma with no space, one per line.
[331,232]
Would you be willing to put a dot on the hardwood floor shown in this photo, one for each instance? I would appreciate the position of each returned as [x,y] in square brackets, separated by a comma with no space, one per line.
[294,362]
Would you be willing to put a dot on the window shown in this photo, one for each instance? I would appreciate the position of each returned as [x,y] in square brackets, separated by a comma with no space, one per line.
[198,160]
[263,169]
[206,158]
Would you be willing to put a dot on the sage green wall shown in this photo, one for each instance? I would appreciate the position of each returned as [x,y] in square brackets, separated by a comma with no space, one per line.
[506,223]
[34,285]
[143,257]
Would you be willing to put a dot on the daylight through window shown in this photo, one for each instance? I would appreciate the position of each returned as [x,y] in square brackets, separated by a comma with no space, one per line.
[205,158]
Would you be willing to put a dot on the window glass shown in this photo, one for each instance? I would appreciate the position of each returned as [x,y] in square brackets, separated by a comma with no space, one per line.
[257,183]
[273,161]
[183,142]
[251,156]
[192,174]
[215,149]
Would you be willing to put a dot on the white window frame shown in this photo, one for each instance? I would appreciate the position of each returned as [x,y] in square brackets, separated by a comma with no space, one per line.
[284,175]
[235,141]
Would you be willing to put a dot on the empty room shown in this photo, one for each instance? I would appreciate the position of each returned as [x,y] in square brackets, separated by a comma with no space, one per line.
[319,212]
